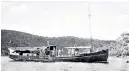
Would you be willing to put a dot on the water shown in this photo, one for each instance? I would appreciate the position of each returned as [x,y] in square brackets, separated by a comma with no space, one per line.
[115,64]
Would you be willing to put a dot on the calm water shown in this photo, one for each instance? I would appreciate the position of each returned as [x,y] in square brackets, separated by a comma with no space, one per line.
[115,64]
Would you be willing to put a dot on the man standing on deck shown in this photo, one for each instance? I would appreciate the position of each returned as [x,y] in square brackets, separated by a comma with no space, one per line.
[76,51]
[38,52]
[47,51]
[69,52]
[73,52]
[59,52]
[53,52]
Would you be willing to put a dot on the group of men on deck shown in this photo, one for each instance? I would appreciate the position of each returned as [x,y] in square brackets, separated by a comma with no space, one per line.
[73,52]
[59,52]
[47,52]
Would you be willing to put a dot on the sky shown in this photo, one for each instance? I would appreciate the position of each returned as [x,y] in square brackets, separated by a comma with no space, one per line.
[108,20]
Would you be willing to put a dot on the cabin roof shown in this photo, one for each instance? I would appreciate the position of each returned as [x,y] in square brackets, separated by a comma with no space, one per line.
[79,47]
[27,48]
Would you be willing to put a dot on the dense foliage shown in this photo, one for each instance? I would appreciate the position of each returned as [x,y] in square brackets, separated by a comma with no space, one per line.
[121,47]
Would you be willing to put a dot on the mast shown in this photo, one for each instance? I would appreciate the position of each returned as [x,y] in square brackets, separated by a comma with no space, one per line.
[89,16]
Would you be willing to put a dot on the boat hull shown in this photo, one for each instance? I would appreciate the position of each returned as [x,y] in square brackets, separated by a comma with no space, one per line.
[90,57]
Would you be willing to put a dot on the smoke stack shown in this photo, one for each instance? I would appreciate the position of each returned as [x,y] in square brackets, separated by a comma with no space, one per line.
[48,43]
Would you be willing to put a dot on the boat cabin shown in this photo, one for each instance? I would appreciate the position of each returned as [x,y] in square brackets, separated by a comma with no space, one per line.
[50,51]
[72,51]
[32,51]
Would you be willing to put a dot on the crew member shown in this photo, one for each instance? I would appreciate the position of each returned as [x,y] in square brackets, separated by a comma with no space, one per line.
[47,51]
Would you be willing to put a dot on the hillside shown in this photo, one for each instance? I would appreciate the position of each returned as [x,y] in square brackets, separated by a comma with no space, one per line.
[10,38]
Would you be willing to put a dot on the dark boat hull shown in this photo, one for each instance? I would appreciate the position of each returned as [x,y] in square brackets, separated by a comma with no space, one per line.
[91,57]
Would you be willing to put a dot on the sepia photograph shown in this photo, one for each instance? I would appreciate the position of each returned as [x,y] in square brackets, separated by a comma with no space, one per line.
[64,36]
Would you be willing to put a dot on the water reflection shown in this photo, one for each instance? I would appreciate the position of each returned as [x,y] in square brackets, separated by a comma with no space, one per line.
[113,64]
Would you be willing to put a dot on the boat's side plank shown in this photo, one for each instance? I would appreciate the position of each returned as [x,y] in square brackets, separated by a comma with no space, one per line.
[90,58]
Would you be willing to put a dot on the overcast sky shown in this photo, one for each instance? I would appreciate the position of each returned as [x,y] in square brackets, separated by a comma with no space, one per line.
[53,19]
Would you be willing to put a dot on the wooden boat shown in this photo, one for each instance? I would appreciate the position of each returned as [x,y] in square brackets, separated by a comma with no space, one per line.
[100,56]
